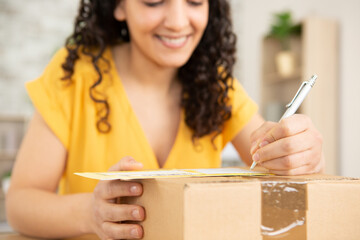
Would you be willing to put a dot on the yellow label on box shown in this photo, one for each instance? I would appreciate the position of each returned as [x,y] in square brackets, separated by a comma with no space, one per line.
[175,173]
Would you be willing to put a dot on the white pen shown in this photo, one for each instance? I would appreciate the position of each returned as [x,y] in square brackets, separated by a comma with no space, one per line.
[293,106]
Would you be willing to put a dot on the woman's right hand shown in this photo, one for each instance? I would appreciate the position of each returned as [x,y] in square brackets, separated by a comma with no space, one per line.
[107,215]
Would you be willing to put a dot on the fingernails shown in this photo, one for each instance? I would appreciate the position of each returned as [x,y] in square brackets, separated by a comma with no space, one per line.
[135,232]
[263,144]
[139,164]
[256,157]
[133,162]
[253,147]
[135,189]
[136,214]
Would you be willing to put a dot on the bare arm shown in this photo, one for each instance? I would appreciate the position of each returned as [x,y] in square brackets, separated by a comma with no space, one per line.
[33,207]
[242,141]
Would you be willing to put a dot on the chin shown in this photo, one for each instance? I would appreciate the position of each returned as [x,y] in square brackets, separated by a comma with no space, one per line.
[174,61]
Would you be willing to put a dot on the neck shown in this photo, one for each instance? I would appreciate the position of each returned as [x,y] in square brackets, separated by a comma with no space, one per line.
[137,69]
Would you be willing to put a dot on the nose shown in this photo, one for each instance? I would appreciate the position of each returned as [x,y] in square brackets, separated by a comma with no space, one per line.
[177,16]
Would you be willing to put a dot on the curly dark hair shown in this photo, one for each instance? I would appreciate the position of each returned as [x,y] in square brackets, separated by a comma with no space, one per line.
[205,78]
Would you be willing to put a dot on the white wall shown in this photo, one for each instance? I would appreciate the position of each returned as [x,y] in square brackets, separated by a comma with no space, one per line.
[255,20]
[30,33]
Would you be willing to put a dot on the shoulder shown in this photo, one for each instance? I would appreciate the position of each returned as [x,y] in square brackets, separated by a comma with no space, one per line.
[236,92]
[54,68]
[83,62]
[53,81]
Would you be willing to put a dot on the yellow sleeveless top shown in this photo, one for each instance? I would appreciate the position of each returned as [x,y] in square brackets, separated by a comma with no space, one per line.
[71,115]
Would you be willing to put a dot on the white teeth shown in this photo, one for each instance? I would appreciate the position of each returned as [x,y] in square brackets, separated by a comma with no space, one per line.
[175,41]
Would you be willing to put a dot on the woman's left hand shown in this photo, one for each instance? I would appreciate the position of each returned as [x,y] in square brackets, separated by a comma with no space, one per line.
[291,147]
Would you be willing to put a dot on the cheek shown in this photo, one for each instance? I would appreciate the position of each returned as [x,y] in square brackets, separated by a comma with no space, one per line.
[145,21]
[199,20]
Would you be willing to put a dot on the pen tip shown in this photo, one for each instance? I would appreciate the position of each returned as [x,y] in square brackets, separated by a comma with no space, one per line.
[253,165]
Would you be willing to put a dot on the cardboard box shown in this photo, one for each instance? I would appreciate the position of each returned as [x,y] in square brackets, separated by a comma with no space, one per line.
[231,208]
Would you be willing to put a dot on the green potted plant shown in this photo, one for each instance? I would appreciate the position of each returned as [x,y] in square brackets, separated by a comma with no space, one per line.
[5,181]
[282,29]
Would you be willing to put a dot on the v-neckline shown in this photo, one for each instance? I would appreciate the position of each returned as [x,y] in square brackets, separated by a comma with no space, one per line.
[125,101]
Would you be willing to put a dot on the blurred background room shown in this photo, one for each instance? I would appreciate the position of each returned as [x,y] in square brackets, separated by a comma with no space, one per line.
[321,36]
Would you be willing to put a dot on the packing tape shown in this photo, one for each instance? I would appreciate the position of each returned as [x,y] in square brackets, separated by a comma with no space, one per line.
[284,206]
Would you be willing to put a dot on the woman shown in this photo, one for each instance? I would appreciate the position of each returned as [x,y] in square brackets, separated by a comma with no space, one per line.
[149,79]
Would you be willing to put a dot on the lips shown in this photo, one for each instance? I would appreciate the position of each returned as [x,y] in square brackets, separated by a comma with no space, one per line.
[173,42]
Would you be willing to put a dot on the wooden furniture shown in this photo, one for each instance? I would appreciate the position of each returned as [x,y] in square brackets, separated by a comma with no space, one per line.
[316,52]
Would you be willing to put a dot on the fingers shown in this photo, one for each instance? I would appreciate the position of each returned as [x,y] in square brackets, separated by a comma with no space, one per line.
[291,147]
[288,162]
[304,162]
[113,189]
[284,147]
[302,170]
[259,134]
[286,128]
[126,164]
[306,169]
[109,216]
[120,212]
[122,231]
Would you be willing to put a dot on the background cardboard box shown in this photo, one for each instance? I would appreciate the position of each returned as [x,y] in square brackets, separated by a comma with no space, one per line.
[309,207]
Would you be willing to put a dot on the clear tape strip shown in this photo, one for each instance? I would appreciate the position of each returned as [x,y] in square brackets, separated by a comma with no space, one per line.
[284,206]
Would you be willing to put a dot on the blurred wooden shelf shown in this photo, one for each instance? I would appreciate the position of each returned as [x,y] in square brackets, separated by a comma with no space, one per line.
[316,52]
[275,77]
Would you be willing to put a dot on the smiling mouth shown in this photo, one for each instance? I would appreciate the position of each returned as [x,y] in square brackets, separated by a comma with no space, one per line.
[173,42]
